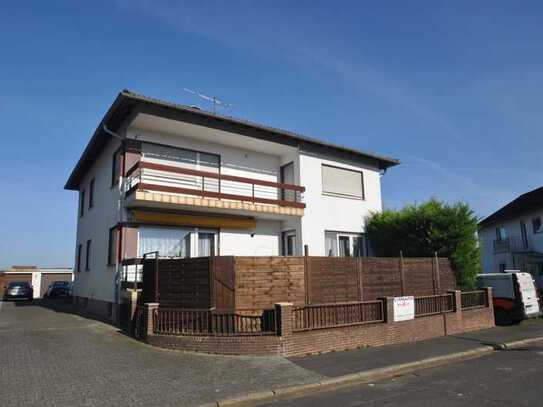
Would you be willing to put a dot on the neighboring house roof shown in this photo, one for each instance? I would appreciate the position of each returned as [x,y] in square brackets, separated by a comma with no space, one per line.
[129,103]
[525,203]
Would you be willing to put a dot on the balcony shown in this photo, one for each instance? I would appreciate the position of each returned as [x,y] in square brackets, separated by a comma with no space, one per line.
[151,184]
[512,244]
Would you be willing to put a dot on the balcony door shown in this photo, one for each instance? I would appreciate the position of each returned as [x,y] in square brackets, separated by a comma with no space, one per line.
[183,158]
[289,243]
[287,177]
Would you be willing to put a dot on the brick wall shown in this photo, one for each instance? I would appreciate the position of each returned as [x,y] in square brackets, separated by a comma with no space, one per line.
[290,343]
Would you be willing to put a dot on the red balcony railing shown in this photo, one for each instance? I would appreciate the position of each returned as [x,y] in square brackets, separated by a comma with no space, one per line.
[152,176]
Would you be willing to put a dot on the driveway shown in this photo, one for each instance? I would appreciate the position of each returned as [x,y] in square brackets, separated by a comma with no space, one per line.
[50,357]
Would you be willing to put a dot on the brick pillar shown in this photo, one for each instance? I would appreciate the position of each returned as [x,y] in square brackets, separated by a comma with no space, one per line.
[457,301]
[388,308]
[452,322]
[490,301]
[148,311]
[285,322]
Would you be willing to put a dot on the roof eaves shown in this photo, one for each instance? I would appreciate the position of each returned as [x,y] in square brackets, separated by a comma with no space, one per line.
[385,161]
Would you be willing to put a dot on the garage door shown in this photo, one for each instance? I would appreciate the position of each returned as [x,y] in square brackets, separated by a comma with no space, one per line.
[5,279]
[48,278]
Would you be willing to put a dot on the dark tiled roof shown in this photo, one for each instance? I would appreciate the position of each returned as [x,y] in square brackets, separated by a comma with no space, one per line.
[524,204]
[127,101]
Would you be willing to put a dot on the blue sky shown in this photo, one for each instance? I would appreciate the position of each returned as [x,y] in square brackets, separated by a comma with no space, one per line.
[452,89]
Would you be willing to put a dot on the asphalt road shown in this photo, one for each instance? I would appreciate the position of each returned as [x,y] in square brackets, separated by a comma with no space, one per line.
[507,378]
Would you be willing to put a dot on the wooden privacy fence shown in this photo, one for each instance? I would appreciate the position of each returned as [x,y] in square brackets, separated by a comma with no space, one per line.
[175,321]
[474,299]
[259,282]
[336,315]
[434,304]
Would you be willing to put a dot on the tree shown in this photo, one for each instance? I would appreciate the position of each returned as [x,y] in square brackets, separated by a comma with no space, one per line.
[424,229]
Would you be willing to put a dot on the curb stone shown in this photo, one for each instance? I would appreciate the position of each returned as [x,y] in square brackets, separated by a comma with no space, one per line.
[367,376]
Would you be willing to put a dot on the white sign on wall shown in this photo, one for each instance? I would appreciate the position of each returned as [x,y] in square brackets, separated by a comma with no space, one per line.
[404,308]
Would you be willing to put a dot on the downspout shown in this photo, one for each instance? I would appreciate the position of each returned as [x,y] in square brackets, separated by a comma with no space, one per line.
[120,206]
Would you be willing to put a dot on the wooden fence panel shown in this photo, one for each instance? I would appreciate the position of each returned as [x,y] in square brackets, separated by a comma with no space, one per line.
[380,277]
[333,279]
[261,282]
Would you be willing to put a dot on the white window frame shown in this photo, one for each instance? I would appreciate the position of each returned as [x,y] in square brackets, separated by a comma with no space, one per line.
[351,236]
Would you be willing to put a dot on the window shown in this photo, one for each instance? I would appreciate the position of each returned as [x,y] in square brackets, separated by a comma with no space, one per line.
[78,257]
[342,182]
[536,225]
[345,244]
[91,193]
[177,241]
[206,244]
[112,246]
[82,203]
[116,167]
[501,233]
[87,255]
[330,239]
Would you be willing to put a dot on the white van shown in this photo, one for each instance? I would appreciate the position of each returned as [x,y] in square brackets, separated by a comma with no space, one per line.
[514,295]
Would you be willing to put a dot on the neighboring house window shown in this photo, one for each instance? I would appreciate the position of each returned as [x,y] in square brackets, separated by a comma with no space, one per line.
[116,167]
[501,233]
[345,244]
[91,193]
[78,260]
[87,255]
[112,246]
[342,182]
[82,202]
[536,224]
[503,267]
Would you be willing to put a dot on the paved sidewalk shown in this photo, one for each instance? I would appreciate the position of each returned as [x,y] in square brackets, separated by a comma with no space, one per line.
[336,364]
[62,359]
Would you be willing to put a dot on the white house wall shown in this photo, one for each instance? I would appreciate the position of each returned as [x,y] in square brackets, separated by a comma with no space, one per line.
[263,242]
[99,282]
[325,212]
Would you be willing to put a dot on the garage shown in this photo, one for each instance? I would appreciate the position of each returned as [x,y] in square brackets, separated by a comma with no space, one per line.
[6,278]
[48,278]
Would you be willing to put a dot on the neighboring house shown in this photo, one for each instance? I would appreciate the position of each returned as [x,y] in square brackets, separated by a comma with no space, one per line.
[39,277]
[158,176]
[512,237]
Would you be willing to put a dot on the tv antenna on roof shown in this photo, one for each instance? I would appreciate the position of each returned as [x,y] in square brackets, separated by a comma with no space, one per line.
[213,99]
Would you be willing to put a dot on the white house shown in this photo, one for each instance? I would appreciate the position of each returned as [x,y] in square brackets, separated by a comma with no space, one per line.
[512,237]
[158,176]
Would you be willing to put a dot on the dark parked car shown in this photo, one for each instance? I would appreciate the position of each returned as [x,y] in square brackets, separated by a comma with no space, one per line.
[19,290]
[58,289]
